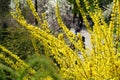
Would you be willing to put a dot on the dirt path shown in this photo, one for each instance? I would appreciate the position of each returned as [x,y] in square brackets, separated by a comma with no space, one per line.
[87,42]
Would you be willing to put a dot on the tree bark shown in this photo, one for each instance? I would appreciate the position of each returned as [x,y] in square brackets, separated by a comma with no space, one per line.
[36,7]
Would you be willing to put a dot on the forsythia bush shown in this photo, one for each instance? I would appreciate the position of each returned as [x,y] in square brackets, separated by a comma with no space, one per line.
[102,62]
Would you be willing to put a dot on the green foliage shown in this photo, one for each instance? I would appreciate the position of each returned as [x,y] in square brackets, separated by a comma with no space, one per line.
[43,66]
[7,73]
[103,3]
[19,41]
[75,8]
[4,6]
[2,76]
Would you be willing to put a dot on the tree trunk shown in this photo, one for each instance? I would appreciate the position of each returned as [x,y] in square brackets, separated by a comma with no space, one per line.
[36,22]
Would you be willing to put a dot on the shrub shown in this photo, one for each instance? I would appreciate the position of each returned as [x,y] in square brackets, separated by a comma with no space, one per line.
[99,63]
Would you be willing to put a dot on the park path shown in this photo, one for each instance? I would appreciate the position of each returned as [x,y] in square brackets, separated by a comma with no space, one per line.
[87,43]
[87,36]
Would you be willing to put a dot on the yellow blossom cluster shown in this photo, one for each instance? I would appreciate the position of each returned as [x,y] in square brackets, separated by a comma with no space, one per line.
[100,63]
